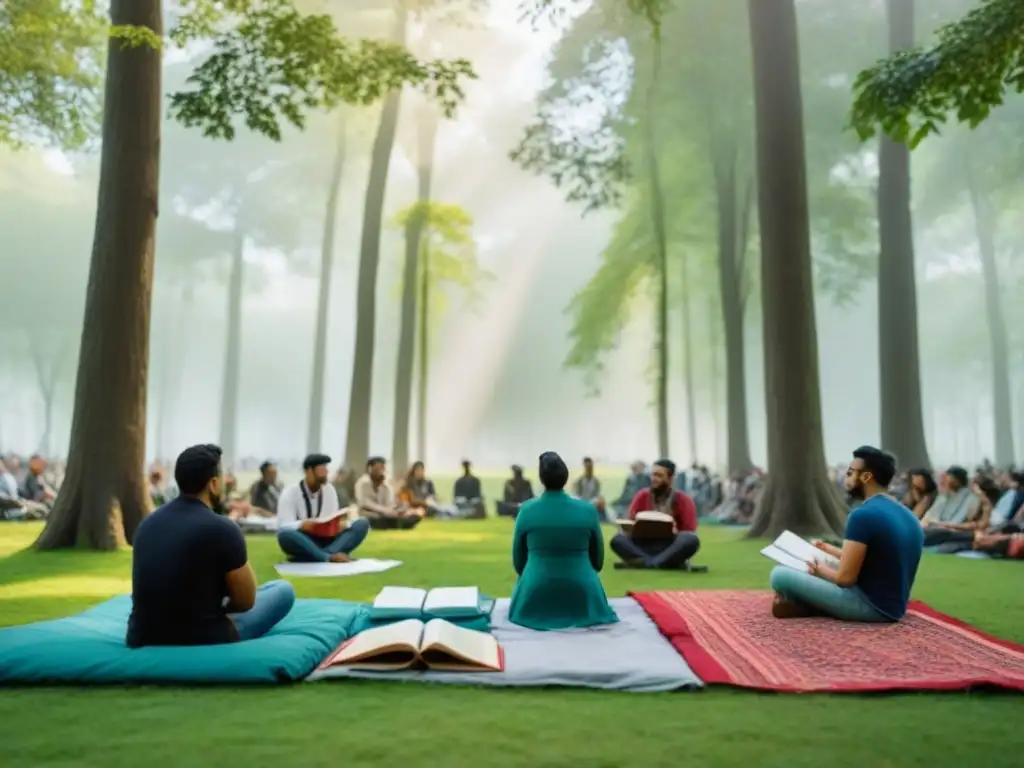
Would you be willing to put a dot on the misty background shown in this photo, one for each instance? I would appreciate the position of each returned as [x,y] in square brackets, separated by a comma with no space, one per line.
[499,389]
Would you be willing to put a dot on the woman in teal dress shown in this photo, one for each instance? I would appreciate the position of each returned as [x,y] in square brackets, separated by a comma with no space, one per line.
[557,550]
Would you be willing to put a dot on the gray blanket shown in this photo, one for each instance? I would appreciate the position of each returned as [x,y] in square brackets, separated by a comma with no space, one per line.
[628,656]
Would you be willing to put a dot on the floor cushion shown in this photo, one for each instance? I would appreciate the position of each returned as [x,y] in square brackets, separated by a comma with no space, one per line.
[90,648]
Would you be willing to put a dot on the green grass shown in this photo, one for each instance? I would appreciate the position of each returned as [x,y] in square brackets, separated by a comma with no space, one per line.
[407,725]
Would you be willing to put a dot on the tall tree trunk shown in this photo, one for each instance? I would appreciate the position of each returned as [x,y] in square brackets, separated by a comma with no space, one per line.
[657,204]
[176,363]
[414,229]
[797,494]
[357,441]
[233,352]
[899,367]
[734,216]
[1002,410]
[714,344]
[691,409]
[314,431]
[105,495]
[423,377]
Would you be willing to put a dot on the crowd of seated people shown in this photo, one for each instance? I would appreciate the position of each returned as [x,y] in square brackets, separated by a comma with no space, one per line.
[28,489]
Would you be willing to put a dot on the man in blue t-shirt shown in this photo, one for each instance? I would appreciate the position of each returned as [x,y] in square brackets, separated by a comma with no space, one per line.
[877,563]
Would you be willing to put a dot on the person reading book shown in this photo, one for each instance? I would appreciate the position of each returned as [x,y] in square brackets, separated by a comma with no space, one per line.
[557,551]
[191,579]
[311,527]
[878,561]
[672,551]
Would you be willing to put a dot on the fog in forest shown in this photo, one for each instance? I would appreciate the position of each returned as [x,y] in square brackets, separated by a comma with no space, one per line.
[242,225]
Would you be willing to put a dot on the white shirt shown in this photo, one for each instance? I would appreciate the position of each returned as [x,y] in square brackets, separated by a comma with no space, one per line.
[291,507]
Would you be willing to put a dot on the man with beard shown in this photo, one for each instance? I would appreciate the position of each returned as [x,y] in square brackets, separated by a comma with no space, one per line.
[673,552]
[299,507]
[191,579]
[877,563]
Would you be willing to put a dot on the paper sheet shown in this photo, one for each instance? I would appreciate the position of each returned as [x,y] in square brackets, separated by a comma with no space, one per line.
[400,598]
[369,565]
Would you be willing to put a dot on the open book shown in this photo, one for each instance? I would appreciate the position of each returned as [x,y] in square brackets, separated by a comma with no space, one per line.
[794,552]
[649,525]
[440,602]
[327,525]
[438,644]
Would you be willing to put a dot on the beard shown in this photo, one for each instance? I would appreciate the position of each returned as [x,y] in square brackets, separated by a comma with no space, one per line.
[217,504]
[856,493]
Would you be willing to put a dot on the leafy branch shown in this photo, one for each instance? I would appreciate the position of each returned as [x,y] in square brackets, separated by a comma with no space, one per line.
[272,64]
[969,69]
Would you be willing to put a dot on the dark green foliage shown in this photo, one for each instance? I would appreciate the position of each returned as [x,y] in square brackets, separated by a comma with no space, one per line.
[968,71]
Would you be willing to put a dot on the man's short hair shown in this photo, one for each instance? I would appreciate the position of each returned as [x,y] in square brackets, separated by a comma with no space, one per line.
[879,463]
[375,460]
[316,460]
[265,466]
[959,474]
[196,467]
[667,464]
[587,460]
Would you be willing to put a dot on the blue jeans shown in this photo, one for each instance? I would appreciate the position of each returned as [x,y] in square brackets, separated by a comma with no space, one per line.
[273,602]
[303,548]
[843,603]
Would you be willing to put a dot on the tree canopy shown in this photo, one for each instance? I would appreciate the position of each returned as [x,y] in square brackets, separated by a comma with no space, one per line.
[967,71]
[270,64]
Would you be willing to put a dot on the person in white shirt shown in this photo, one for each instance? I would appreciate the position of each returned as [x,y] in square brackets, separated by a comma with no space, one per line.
[310,528]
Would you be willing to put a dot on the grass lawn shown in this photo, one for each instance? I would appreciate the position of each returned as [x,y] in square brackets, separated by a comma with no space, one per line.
[407,725]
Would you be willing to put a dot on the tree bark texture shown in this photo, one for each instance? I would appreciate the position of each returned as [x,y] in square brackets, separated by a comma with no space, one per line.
[902,419]
[657,203]
[1002,409]
[797,494]
[423,375]
[314,431]
[687,316]
[105,494]
[233,352]
[734,215]
[357,441]
[415,228]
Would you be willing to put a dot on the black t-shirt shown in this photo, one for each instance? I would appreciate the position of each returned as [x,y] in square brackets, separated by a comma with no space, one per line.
[181,554]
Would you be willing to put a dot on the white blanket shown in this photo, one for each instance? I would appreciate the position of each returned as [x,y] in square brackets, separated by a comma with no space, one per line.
[356,567]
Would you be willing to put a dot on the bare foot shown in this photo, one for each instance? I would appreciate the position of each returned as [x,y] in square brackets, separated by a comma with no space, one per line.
[785,609]
[340,557]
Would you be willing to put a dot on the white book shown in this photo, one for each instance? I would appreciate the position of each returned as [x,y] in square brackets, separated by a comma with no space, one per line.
[795,552]
[407,602]
[446,599]
[400,599]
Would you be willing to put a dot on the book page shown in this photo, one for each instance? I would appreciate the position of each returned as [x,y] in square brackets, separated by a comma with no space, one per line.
[784,558]
[400,599]
[654,517]
[391,646]
[803,549]
[327,517]
[447,646]
[440,598]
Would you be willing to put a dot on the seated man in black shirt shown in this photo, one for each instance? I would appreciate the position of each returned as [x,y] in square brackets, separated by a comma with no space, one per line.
[191,579]
[468,494]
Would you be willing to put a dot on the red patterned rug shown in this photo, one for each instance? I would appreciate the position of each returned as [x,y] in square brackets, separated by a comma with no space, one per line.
[731,638]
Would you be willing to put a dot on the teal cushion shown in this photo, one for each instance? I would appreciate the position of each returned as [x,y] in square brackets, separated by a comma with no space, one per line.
[90,648]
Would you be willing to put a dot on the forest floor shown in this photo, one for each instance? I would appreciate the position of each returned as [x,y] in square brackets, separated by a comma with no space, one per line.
[406,725]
